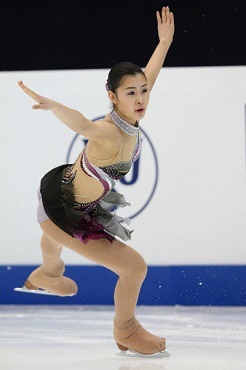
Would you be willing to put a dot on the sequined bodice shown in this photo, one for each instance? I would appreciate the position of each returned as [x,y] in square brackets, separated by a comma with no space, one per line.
[118,170]
[107,174]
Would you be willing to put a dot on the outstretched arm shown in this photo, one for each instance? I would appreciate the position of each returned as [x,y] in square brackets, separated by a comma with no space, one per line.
[165,26]
[70,117]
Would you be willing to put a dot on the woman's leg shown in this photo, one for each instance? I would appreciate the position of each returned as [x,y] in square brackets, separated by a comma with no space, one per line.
[131,268]
[51,253]
[116,256]
[49,275]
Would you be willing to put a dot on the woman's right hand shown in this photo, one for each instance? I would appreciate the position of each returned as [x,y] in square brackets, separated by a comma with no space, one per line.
[43,103]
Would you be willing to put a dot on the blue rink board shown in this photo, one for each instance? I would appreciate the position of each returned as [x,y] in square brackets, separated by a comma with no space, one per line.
[213,285]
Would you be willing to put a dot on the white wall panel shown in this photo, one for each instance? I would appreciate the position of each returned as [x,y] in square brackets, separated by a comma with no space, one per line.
[195,125]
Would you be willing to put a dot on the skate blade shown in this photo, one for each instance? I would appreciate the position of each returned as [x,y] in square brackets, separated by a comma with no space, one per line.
[131,353]
[33,291]
[38,291]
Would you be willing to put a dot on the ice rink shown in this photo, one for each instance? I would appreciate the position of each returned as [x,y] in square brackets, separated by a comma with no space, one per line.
[80,337]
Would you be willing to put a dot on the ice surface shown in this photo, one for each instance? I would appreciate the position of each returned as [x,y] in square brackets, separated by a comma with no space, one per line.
[80,337]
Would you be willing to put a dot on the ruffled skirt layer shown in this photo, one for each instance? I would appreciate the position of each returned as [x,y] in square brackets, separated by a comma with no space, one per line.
[88,221]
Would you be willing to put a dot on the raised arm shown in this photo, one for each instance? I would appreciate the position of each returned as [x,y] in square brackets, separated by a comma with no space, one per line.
[165,26]
[70,117]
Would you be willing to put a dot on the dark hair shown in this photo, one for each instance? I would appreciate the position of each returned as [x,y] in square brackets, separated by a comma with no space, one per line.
[120,70]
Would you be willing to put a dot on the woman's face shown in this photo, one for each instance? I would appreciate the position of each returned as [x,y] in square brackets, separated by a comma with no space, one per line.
[131,98]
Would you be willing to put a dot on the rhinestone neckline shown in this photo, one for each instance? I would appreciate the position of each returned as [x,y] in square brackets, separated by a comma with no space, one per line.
[124,125]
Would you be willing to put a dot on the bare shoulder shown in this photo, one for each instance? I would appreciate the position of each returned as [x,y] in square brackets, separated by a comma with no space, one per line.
[106,127]
[103,148]
[98,130]
[107,121]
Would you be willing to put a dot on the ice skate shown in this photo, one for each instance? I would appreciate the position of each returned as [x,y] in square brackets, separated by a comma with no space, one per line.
[134,341]
[41,283]
[131,353]
[33,290]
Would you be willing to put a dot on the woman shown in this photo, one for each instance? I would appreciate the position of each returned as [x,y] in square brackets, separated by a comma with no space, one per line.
[74,200]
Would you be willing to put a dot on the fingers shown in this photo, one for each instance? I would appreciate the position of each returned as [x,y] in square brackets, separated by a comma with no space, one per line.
[169,15]
[43,103]
[36,106]
[25,88]
[158,17]
[165,13]
[165,16]
[29,92]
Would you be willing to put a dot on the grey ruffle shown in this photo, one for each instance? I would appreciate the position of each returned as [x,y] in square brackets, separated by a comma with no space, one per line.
[112,223]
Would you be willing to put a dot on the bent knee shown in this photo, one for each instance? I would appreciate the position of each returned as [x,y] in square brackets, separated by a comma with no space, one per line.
[136,268]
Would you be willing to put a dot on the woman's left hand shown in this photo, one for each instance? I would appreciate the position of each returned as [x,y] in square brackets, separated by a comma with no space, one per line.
[165,25]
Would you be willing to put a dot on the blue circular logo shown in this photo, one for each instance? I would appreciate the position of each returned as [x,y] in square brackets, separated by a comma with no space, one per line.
[139,185]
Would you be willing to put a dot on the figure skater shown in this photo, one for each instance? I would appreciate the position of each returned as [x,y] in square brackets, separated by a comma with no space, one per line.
[75,200]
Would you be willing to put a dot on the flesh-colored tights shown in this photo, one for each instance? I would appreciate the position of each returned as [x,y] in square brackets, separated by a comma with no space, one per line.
[128,264]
